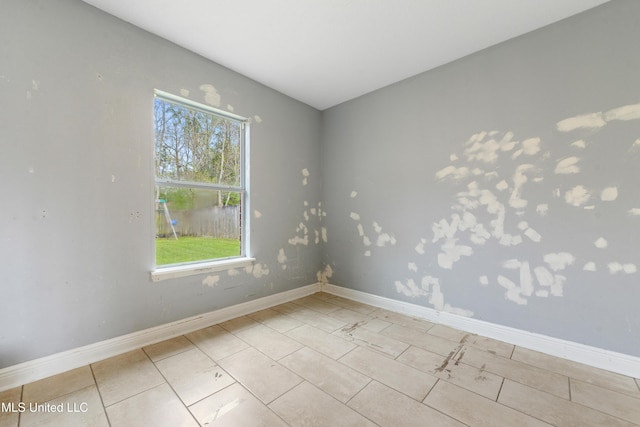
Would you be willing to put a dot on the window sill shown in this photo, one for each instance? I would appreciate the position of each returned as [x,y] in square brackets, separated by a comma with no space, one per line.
[173,272]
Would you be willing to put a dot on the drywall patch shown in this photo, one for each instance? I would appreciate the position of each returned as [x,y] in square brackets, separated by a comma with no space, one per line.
[211,95]
[609,194]
[257,214]
[211,281]
[412,267]
[323,276]
[542,209]
[586,121]
[531,146]
[409,289]
[626,112]
[451,252]
[184,92]
[513,292]
[257,118]
[354,216]
[502,185]
[590,266]
[282,258]
[305,176]
[453,173]
[559,261]
[617,267]
[260,270]
[354,194]
[601,243]
[634,212]
[567,166]
[577,196]
[579,144]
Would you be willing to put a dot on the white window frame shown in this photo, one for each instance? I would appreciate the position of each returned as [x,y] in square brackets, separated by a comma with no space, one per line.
[213,265]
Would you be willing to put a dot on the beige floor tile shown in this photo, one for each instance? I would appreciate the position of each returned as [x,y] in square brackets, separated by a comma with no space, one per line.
[324,296]
[306,405]
[234,406]
[168,348]
[287,308]
[554,411]
[58,385]
[321,341]
[216,342]
[475,410]
[367,322]
[193,375]
[578,371]
[610,402]
[353,305]
[372,340]
[270,342]
[376,325]
[239,324]
[387,407]
[523,373]
[335,378]
[401,319]
[261,375]
[408,380]
[422,339]
[10,414]
[123,376]
[317,320]
[350,316]
[449,333]
[492,346]
[316,304]
[158,406]
[80,408]
[474,379]
[275,320]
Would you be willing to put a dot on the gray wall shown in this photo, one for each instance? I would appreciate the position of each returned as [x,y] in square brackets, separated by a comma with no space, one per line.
[76,173]
[503,186]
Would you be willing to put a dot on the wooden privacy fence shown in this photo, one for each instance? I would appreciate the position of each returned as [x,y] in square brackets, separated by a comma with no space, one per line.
[216,221]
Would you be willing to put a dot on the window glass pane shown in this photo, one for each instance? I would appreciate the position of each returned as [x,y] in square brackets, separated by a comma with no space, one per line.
[192,145]
[197,225]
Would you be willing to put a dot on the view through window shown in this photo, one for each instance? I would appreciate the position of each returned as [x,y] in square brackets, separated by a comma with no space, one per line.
[200,182]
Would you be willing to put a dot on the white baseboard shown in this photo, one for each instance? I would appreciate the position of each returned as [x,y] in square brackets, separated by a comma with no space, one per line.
[604,359]
[24,373]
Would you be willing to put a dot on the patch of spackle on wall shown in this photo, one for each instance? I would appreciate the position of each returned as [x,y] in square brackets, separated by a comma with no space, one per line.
[309,231]
[370,240]
[211,95]
[497,176]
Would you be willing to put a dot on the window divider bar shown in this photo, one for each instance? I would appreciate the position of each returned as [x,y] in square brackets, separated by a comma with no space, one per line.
[201,185]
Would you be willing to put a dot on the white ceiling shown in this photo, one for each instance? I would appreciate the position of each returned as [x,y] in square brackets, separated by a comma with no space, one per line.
[324,52]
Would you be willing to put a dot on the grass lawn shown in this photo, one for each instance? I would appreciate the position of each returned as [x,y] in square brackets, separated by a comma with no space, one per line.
[187,249]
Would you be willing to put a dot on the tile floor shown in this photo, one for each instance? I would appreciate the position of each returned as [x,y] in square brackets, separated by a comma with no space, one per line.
[327,361]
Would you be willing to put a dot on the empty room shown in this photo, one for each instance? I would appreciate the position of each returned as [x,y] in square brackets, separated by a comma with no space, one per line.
[320,213]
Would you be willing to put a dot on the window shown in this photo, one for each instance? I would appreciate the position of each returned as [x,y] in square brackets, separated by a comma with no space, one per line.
[200,183]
